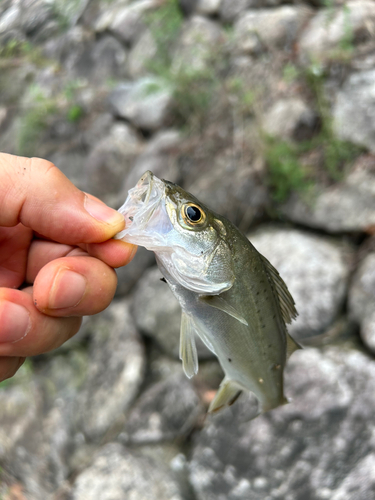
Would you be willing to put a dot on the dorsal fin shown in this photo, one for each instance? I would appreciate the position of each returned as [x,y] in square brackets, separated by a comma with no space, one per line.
[286,301]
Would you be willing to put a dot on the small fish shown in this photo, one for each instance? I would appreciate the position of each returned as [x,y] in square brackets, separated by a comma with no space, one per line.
[230,295]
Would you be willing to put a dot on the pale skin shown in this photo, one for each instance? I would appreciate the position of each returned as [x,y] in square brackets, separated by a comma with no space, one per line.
[57,258]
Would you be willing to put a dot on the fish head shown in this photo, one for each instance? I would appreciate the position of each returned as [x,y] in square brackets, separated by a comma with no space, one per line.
[188,239]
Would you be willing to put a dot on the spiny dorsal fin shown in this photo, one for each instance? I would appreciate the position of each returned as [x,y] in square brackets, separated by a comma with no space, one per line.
[286,301]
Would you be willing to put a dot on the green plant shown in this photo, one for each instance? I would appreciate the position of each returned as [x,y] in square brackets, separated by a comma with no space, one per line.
[34,120]
[285,171]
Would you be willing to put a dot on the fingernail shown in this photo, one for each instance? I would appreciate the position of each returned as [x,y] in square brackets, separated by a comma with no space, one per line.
[15,321]
[102,212]
[67,290]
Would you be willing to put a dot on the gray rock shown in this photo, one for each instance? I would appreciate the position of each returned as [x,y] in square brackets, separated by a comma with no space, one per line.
[21,408]
[141,54]
[275,28]
[159,156]
[72,163]
[115,373]
[208,7]
[325,37]
[111,160]
[167,410]
[158,314]
[290,119]
[39,458]
[315,269]
[362,299]
[129,275]
[10,19]
[146,103]
[231,9]
[118,473]
[200,37]
[345,206]
[124,19]
[354,109]
[319,446]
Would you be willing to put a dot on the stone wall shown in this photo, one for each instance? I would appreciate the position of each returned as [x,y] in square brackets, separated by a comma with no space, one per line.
[265,109]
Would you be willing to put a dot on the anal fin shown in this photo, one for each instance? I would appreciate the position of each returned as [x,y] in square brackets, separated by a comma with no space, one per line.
[226,395]
[188,349]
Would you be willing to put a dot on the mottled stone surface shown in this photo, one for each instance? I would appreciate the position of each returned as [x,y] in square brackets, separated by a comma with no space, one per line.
[345,206]
[354,109]
[115,372]
[319,446]
[315,269]
[118,472]
[274,28]
[167,410]
[334,31]
[362,299]
[146,103]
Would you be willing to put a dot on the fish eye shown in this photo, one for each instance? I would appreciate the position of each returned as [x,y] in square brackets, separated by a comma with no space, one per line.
[192,214]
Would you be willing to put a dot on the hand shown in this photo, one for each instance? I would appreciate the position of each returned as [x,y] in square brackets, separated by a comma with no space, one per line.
[55,244]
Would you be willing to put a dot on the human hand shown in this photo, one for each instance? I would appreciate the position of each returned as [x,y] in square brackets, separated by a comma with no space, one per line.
[55,244]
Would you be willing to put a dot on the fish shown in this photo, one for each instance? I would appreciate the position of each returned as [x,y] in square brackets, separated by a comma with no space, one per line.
[230,294]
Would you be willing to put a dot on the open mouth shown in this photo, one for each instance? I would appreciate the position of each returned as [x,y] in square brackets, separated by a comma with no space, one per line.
[144,210]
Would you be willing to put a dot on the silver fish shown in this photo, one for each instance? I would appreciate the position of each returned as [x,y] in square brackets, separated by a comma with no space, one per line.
[230,295]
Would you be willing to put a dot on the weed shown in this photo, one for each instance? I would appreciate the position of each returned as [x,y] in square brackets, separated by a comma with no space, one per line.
[75,113]
[35,120]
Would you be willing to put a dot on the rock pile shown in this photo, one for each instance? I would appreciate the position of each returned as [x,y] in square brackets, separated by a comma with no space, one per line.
[264,109]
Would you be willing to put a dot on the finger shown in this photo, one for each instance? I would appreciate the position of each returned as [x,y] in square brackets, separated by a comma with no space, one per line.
[24,331]
[73,286]
[9,366]
[33,191]
[115,253]
[14,245]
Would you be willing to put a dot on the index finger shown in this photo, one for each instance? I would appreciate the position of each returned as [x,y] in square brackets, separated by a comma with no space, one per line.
[35,192]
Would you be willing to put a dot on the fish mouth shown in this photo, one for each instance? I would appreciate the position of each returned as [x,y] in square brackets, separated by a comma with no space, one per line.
[144,212]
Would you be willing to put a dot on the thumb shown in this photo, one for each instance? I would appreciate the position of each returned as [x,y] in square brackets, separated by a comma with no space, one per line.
[37,194]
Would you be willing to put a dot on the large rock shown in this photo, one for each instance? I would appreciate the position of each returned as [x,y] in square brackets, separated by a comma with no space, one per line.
[146,103]
[354,109]
[128,275]
[230,9]
[158,314]
[272,28]
[141,54]
[115,372]
[319,446]
[316,271]
[290,119]
[342,207]
[119,473]
[160,156]
[111,160]
[38,459]
[333,33]
[167,410]
[124,19]
[362,299]
[199,39]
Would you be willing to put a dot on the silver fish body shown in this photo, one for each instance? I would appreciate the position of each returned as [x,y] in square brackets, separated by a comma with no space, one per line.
[230,295]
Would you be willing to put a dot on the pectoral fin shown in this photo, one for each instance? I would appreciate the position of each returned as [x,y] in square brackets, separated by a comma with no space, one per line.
[188,349]
[226,395]
[222,305]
